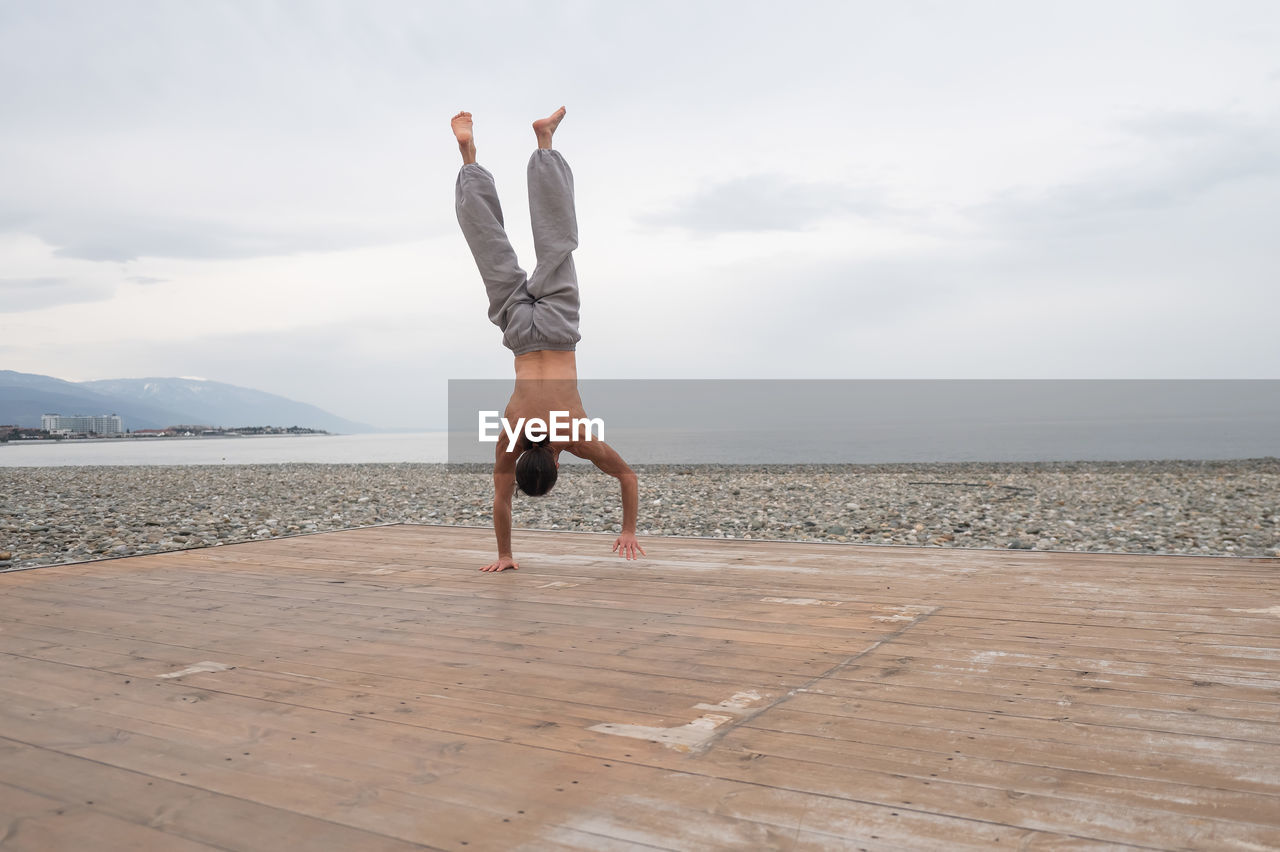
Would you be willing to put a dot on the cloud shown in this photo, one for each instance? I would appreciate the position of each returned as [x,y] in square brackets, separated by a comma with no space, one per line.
[122,237]
[132,137]
[31,294]
[1181,158]
[1068,309]
[765,202]
[386,371]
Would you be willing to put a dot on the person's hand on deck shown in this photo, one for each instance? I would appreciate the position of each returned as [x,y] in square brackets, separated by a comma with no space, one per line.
[503,563]
[627,546]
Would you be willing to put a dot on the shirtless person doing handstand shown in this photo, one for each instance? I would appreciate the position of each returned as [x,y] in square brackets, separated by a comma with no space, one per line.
[538,316]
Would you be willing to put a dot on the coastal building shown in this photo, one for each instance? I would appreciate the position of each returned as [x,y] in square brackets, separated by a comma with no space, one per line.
[83,424]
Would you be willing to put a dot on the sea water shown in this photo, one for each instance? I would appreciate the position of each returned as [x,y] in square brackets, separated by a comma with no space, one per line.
[771,422]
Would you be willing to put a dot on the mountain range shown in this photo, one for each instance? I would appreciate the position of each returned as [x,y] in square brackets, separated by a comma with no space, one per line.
[155,403]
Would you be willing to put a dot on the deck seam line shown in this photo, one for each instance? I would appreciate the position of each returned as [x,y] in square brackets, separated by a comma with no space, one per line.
[1056,721]
[721,733]
[1263,704]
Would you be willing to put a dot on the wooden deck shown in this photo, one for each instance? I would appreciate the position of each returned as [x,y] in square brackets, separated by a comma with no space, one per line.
[370,690]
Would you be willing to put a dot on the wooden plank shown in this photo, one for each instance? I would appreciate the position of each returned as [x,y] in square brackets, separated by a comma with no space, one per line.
[599,687]
[1122,823]
[999,695]
[1120,779]
[536,614]
[35,823]
[438,663]
[932,665]
[181,810]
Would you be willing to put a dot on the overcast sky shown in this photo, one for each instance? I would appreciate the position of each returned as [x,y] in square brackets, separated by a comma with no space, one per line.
[262,193]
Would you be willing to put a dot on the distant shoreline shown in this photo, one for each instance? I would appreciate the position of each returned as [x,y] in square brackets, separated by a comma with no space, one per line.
[44,442]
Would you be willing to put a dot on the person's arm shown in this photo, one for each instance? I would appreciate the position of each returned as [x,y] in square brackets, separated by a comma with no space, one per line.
[504,483]
[607,459]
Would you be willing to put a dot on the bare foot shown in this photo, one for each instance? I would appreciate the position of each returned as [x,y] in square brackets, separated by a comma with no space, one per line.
[461,124]
[544,128]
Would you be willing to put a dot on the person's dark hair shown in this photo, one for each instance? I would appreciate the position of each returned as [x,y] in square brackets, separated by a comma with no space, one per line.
[536,469]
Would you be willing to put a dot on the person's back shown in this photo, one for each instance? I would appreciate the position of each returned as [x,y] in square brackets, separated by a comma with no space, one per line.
[547,364]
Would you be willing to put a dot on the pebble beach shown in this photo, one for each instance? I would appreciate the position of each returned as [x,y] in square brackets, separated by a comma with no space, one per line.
[52,515]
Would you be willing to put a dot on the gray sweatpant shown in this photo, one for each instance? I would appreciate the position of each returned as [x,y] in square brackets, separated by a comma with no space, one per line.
[538,312]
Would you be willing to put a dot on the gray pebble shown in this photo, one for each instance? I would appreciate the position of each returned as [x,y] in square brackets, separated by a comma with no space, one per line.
[57,514]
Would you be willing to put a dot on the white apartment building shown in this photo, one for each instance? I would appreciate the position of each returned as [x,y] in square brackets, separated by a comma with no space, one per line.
[97,424]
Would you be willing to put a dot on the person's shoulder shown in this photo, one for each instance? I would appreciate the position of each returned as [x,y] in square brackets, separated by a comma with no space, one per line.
[602,456]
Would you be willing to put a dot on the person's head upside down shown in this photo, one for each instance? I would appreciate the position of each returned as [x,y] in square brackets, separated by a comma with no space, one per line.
[537,470]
